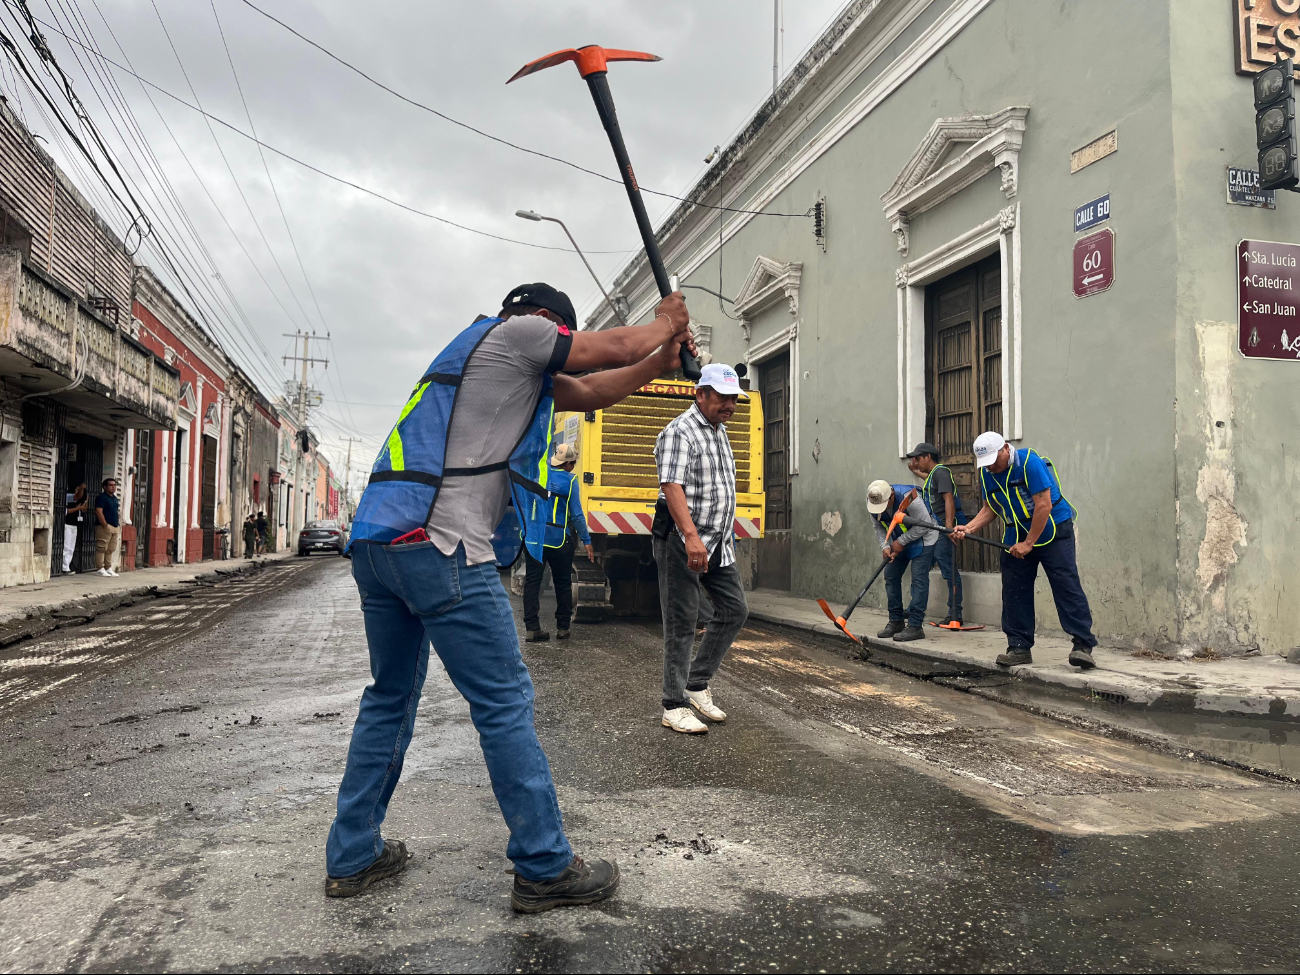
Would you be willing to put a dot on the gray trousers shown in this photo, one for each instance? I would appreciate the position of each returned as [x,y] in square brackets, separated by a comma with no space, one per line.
[679,597]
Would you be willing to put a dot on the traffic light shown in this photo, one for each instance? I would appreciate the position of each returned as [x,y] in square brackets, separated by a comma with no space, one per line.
[1275,128]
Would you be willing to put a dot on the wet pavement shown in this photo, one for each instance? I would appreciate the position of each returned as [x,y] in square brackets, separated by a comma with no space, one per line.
[170,770]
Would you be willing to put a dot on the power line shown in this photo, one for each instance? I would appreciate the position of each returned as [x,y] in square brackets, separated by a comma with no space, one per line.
[316,169]
[87,124]
[487,135]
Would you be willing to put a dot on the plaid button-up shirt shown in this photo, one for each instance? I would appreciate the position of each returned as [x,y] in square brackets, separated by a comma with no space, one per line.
[690,451]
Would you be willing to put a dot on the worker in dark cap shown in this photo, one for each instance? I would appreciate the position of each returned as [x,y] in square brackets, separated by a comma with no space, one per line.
[454,494]
[939,493]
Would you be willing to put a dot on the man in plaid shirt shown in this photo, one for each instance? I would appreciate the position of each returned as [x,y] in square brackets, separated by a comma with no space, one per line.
[697,480]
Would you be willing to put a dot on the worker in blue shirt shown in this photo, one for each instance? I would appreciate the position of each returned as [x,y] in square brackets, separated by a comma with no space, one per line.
[1021,488]
[564,523]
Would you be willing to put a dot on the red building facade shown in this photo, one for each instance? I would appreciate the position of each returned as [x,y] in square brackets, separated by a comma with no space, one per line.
[179,497]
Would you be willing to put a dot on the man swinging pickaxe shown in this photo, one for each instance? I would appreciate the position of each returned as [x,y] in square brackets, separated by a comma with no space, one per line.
[591,61]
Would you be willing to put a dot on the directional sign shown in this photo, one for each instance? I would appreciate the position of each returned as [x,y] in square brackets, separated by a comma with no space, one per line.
[1094,263]
[1268,295]
[1091,214]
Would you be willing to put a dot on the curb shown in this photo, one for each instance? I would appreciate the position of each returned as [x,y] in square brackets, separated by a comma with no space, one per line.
[37,620]
[1124,690]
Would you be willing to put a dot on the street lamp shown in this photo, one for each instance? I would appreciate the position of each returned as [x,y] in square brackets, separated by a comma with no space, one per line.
[530,215]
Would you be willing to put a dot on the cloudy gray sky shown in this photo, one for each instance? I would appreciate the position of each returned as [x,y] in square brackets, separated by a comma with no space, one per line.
[392,286]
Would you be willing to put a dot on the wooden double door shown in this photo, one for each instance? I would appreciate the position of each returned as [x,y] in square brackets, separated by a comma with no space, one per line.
[773,569]
[963,382]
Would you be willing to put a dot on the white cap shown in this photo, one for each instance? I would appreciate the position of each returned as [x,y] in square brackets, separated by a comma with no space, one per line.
[987,446]
[878,495]
[722,378]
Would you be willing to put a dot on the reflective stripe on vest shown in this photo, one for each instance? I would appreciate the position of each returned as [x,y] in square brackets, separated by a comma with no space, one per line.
[1016,507]
[930,500]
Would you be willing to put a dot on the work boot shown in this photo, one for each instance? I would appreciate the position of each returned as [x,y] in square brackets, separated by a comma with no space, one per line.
[391,861]
[892,627]
[579,883]
[909,633]
[950,620]
[562,634]
[1081,657]
[537,636]
[1014,657]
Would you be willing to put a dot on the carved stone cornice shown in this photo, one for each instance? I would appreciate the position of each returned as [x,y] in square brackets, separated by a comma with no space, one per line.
[767,283]
[953,155]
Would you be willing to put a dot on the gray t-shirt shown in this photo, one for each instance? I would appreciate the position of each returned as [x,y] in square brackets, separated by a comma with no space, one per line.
[498,395]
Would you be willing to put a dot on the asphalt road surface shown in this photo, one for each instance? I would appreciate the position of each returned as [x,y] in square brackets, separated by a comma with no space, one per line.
[169,774]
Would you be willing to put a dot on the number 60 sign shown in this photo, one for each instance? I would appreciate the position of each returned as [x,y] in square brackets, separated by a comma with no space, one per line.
[1094,263]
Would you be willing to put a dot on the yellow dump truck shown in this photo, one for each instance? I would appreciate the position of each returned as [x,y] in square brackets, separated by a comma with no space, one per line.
[616,466]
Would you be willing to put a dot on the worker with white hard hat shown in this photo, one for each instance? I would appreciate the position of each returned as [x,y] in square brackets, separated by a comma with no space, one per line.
[903,545]
[1022,488]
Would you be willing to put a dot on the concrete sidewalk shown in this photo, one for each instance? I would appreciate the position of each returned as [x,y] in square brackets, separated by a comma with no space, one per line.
[1258,686]
[30,610]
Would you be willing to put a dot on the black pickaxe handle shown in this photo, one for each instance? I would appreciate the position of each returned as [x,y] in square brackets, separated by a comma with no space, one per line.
[948,531]
[843,621]
[591,62]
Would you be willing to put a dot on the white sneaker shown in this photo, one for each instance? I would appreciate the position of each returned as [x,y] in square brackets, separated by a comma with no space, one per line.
[683,720]
[703,702]
[103,572]
[112,572]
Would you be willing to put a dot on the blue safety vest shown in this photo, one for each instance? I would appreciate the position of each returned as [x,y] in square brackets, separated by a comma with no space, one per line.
[561,485]
[1008,495]
[912,548]
[935,503]
[404,482]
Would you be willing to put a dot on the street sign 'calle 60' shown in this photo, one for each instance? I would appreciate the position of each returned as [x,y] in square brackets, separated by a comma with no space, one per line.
[1268,296]
[1094,263]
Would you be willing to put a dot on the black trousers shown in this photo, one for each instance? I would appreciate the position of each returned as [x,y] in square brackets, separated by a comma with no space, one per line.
[1057,560]
[561,562]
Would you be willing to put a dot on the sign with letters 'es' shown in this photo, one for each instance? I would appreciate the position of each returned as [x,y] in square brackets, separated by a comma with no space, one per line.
[1091,214]
[1268,294]
[1267,31]
[1094,263]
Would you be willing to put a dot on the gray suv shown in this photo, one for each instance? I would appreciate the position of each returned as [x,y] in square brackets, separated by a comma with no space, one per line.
[322,536]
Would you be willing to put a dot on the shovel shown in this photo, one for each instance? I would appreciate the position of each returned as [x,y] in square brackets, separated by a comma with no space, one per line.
[592,62]
[842,622]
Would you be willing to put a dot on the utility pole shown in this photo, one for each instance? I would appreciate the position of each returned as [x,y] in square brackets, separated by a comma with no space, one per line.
[347,477]
[301,413]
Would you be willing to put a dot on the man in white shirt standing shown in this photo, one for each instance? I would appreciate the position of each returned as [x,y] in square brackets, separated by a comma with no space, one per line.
[694,546]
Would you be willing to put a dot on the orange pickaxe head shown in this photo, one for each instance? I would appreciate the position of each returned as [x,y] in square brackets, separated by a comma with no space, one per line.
[589,59]
[839,621]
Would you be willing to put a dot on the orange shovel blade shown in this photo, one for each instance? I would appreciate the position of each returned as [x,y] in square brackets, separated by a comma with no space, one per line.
[839,621]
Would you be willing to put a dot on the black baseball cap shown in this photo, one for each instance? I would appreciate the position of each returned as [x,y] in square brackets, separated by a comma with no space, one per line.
[542,295]
[924,448]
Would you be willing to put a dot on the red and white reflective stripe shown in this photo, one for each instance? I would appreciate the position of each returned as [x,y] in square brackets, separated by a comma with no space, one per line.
[639,522]
[620,522]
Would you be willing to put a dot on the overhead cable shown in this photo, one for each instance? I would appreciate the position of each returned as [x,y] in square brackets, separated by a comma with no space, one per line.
[505,142]
[316,169]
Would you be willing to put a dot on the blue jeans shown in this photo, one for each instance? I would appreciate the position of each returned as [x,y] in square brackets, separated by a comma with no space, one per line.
[1057,560]
[946,556]
[920,563]
[411,596]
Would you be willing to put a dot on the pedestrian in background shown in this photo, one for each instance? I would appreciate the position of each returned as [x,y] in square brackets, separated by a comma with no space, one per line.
[939,493]
[250,537]
[564,525]
[108,531]
[903,545]
[263,542]
[446,501]
[74,519]
[1022,488]
[694,546]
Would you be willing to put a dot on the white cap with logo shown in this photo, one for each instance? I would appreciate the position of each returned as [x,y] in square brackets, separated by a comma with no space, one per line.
[722,378]
[878,495]
[987,446]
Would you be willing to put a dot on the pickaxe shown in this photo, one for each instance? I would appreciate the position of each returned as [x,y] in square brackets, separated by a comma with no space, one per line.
[591,61]
[843,621]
